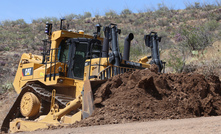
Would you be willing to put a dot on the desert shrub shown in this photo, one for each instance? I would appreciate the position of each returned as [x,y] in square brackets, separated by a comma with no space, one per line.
[214,16]
[205,6]
[209,68]
[195,38]
[111,13]
[195,5]
[178,37]
[6,48]
[150,25]
[162,10]
[79,16]
[126,12]
[135,51]
[97,16]
[6,87]
[138,21]
[176,60]
[26,30]
[163,22]
[40,27]
[165,40]
[212,25]
[208,7]
[87,14]
[118,20]
[20,22]
[6,23]
[34,21]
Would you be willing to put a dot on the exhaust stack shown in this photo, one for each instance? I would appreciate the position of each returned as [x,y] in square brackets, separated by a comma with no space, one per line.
[127,43]
[106,41]
[115,47]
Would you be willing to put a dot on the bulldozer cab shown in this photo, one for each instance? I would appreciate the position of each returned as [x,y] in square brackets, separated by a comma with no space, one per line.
[75,51]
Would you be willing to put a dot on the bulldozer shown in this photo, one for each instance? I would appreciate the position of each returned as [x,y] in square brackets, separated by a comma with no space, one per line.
[58,86]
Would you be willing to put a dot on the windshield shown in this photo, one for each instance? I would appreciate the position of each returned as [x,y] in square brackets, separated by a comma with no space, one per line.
[80,57]
[63,51]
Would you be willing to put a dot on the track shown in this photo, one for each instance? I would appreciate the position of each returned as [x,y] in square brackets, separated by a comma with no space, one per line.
[42,93]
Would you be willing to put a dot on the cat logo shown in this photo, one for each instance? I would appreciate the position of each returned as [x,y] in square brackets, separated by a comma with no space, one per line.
[27,71]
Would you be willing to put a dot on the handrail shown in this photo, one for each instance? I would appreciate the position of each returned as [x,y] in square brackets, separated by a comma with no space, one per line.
[49,60]
[112,70]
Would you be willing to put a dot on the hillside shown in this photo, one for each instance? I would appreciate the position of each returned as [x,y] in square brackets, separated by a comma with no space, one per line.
[187,44]
[190,46]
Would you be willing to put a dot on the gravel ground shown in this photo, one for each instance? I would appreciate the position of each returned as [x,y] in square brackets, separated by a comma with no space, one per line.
[202,125]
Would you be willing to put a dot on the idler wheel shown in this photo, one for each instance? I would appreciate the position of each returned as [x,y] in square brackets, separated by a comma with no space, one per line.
[30,105]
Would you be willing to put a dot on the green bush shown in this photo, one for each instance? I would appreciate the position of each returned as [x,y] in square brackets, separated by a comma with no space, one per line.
[163,22]
[176,61]
[87,14]
[139,21]
[195,5]
[6,23]
[6,48]
[162,10]
[7,87]
[126,12]
[212,25]
[195,38]
[111,13]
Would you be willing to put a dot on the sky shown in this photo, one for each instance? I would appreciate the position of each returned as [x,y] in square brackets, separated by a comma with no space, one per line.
[34,9]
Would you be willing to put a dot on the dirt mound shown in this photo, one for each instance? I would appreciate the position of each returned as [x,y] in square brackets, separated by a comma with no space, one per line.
[146,95]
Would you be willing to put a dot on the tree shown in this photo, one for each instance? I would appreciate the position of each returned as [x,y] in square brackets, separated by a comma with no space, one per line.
[126,12]
[87,14]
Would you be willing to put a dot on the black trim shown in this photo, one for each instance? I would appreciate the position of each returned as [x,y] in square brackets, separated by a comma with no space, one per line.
[131,64]
[92,76]
[50,75]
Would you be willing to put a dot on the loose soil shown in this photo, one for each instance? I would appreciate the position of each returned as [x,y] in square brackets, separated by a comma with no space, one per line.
[145,95]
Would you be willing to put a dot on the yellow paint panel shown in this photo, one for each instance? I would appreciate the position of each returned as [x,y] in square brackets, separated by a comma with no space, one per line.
[19,125]
[72,119]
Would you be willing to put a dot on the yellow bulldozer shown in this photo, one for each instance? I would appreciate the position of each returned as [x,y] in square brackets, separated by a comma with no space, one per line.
[57,87]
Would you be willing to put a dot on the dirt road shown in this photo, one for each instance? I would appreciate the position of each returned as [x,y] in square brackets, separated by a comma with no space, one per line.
[203,125]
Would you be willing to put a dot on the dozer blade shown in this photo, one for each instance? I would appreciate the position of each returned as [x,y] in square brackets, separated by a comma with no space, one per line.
[90,88]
